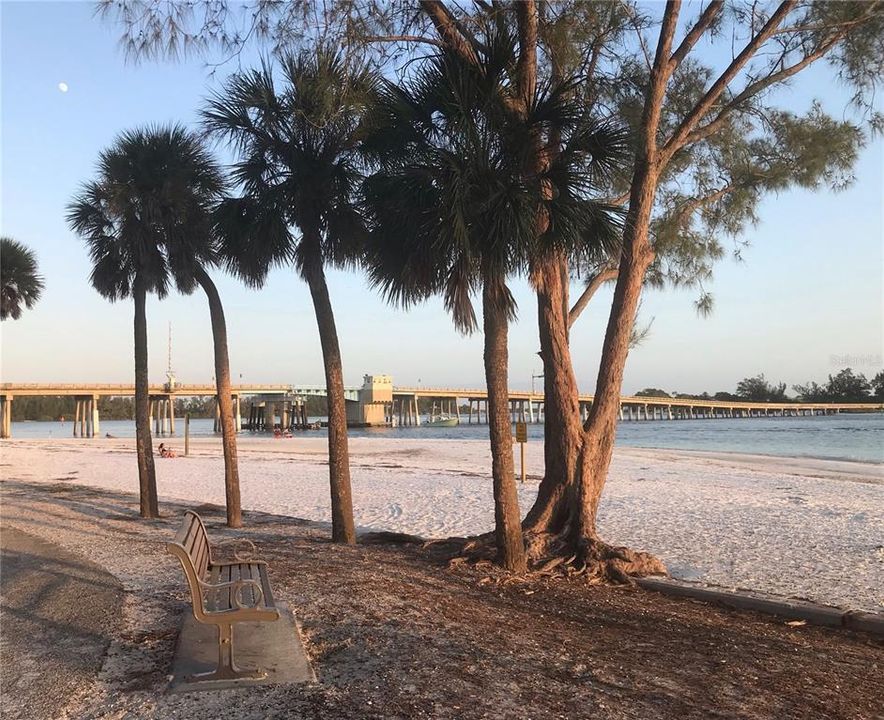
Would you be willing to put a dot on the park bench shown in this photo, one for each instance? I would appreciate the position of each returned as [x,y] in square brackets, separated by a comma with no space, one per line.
[223,593]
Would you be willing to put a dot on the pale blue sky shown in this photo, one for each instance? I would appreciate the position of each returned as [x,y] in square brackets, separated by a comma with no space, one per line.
[808,295]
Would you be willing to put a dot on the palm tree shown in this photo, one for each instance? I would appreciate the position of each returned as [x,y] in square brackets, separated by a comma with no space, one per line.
[20,283]
[147,222]
[454,205]
[298,171]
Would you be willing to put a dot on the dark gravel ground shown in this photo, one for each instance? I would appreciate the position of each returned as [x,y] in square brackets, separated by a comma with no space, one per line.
[393,632]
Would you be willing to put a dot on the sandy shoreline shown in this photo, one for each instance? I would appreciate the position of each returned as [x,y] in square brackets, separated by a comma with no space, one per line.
[795,527]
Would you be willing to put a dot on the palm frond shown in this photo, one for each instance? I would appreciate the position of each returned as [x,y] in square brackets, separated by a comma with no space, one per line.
[295,128]
[148,211]
[20,281]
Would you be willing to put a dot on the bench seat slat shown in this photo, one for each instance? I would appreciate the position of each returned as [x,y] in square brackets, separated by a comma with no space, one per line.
[212,596]
[248,592]
[231,593]
[265,586]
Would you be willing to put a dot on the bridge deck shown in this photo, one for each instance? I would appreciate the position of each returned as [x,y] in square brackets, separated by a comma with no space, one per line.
[400,393]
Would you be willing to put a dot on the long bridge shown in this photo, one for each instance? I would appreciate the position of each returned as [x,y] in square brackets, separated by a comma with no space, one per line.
[379,402]
[527,406]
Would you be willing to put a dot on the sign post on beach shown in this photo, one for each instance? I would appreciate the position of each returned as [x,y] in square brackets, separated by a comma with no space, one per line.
[186,434]
[522,438]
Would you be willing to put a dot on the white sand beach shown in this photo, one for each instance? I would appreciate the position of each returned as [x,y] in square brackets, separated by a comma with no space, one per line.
[794,527]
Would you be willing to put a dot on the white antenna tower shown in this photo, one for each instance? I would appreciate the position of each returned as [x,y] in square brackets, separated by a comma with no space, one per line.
[170,374]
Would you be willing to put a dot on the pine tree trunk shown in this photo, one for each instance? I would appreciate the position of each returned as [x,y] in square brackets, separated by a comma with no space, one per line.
[562,520]
[507,528]
[563,430]
[577,499]
[343,530]
[147,478]
[601,427]
[225,399]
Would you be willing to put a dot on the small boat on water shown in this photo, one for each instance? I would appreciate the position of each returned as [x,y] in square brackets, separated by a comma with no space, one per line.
[442,421]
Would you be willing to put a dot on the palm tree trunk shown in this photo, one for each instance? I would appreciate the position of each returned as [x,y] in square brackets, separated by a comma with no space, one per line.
[343,530]
[147,478]
[225,399]
[507,515]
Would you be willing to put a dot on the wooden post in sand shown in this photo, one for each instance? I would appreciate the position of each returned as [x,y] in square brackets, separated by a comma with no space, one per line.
[522,438]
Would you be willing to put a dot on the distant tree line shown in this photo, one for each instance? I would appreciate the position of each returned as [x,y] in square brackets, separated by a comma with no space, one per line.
[109,408]
[845,386]
[47,408]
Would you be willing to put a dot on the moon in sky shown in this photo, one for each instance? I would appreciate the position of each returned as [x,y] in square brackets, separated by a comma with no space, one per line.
[63,86]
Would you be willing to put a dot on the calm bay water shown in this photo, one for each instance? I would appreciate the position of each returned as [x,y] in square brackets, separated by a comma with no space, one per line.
[858,437]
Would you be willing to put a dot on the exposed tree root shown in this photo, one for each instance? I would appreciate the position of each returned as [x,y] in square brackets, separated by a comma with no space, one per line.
[549,555]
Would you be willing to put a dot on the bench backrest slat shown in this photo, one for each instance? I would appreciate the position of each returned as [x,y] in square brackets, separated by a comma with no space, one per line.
[194,537]
[191,547]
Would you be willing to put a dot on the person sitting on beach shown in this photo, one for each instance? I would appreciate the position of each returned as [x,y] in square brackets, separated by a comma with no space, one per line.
[166,452]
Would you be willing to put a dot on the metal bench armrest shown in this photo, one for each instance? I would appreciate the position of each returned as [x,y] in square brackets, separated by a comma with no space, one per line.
[243,556]
[237,587]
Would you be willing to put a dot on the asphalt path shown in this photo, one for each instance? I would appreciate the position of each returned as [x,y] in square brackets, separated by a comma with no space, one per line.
[57,614]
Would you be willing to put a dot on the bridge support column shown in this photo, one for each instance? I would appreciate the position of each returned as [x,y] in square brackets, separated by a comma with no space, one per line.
[171,415]
[216,426]
[83,408]
[6,416]
[417,412]
[96,420]
[238,410]
[87,407]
